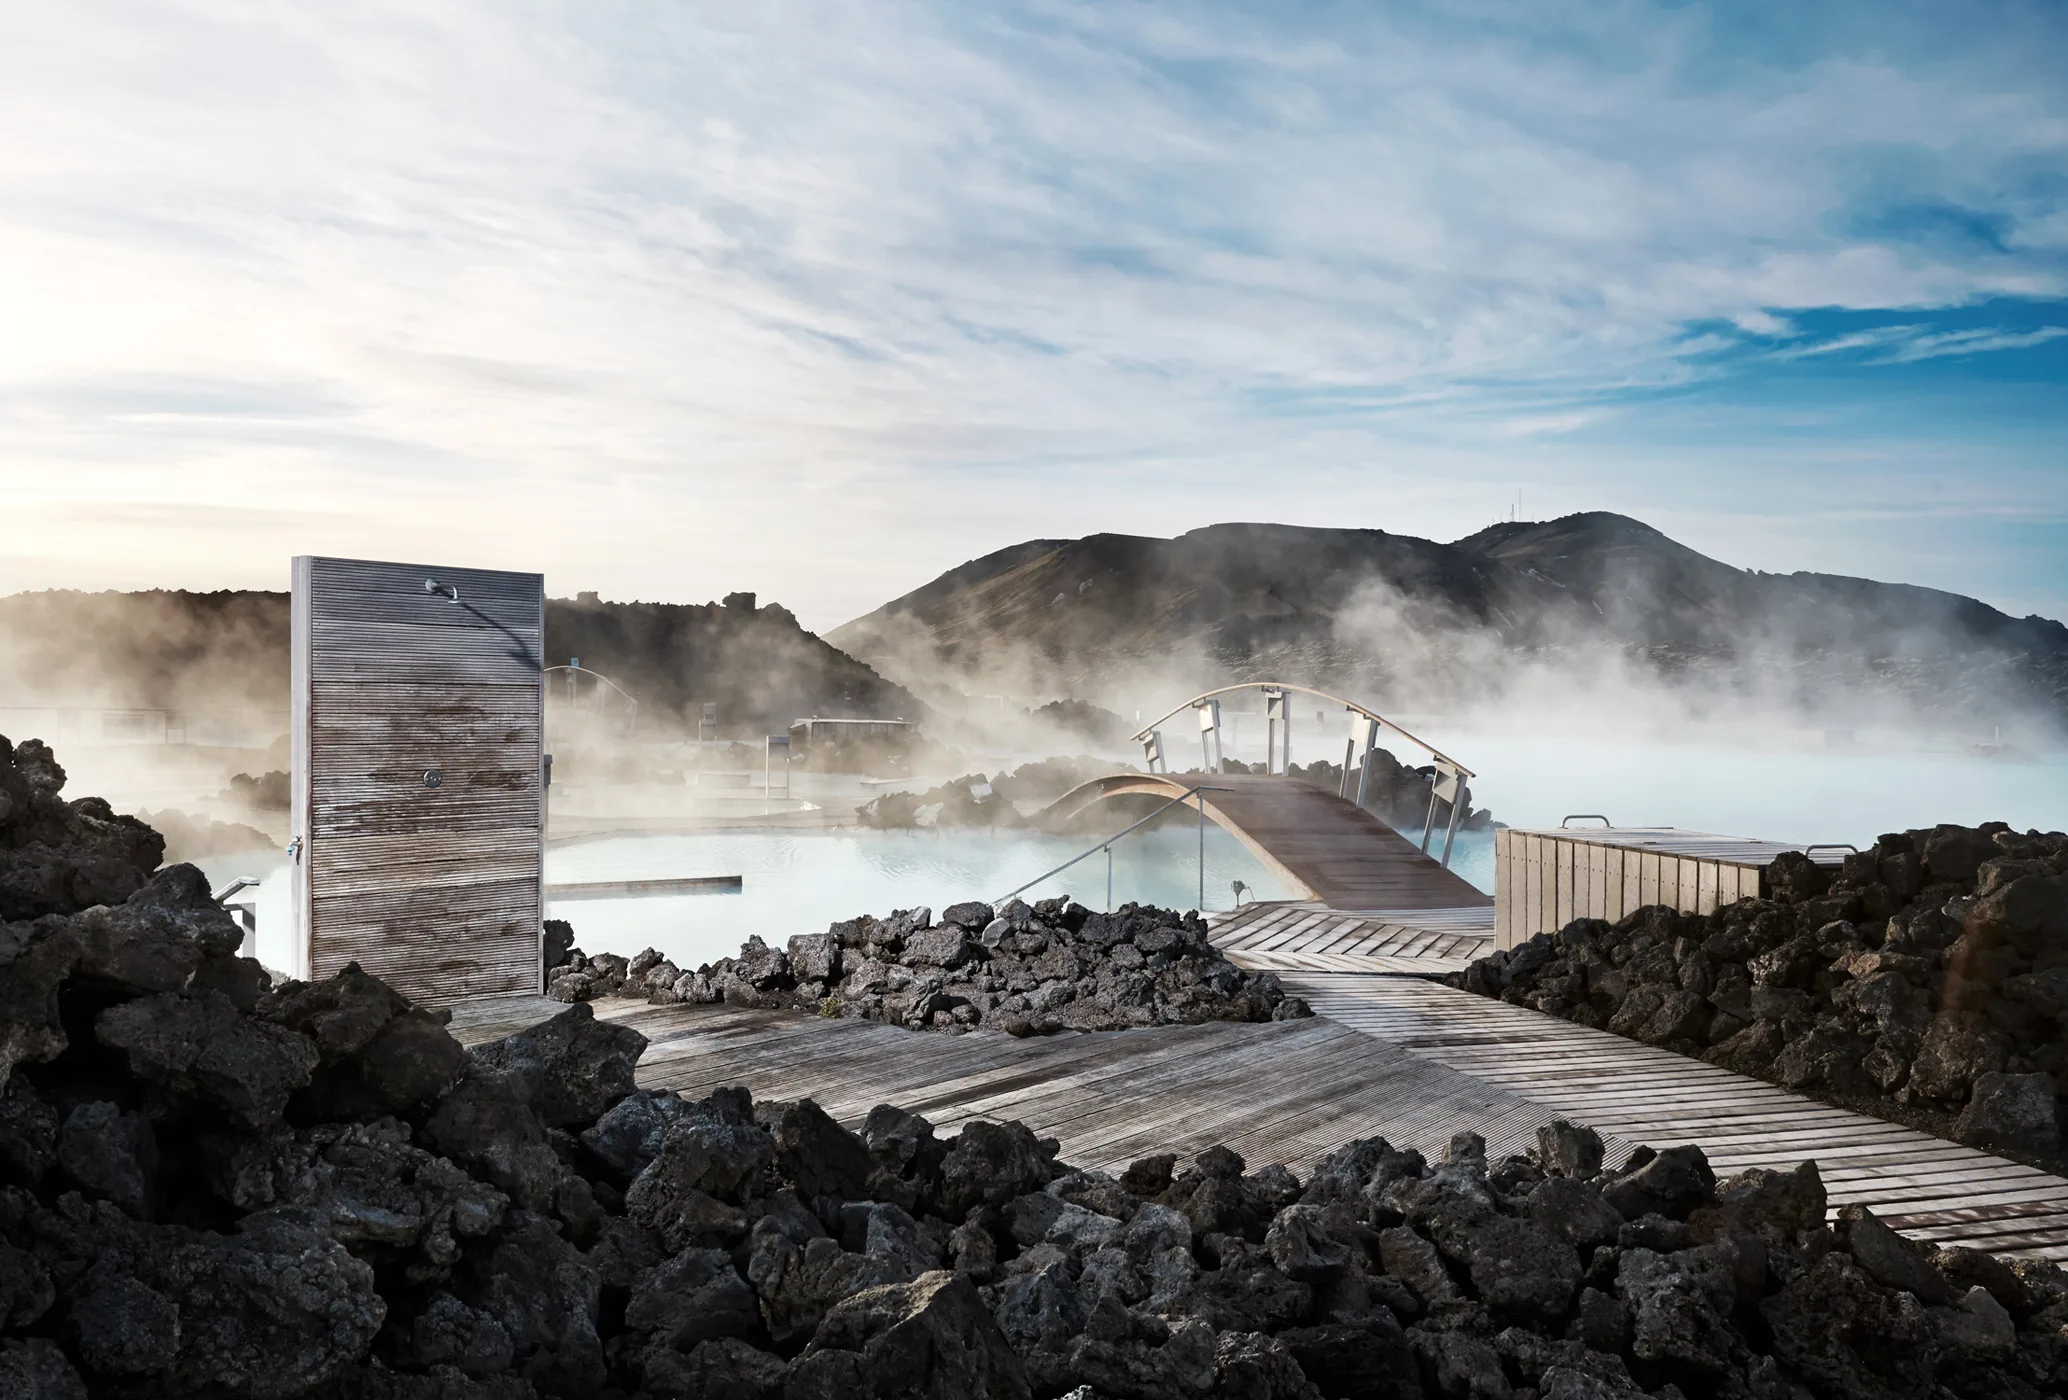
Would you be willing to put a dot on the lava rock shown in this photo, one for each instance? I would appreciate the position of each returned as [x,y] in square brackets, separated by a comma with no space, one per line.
[2011,1111]
[570,1069]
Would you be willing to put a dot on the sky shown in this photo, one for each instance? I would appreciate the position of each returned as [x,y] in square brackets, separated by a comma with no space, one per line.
[818,300]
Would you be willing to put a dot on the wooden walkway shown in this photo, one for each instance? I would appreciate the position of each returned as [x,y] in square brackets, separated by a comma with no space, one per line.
[1925,1186]
[1324,847]
[1397,1057]
[1307,937]
[1284,1091]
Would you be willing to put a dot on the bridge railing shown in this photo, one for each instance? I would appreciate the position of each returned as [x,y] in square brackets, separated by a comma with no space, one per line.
[1449,781]
[1190,794]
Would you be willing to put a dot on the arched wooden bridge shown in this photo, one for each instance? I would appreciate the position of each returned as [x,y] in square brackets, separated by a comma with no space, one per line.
[1327,847]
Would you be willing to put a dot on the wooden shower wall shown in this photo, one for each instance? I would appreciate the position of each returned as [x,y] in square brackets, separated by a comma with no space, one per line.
[418,791]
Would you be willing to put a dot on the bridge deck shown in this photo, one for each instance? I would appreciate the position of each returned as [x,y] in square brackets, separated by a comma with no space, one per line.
[1327,847]
[1391,1056]
[1308,937]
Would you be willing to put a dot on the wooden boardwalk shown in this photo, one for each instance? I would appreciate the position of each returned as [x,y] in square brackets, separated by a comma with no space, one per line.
[1285,1091]
[1307,937]
[1323,846]
[1397,1057]
[1925,1186]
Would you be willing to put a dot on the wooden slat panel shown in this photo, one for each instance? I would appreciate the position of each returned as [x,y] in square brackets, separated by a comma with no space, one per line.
[1507,878]
[374,651]
[437,888]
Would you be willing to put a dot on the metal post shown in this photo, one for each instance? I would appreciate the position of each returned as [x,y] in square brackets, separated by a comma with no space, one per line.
[1429,821]
[1202,854]
[1460,801]
[1109,878]
[1371,743]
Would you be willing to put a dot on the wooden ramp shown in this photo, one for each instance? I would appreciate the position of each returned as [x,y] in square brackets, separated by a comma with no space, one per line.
[1925,1186]
[1325,847]
[1307,937]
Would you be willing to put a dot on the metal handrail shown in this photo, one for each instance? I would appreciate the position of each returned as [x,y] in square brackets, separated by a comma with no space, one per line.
[1106,845]
[1373,715]
[1831,846]
[238,886]
[1572,817]
[631,724]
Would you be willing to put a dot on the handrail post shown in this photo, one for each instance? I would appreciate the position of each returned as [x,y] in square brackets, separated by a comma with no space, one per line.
[1461,800]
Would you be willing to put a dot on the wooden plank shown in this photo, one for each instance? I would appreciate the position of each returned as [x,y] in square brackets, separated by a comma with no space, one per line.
[1923,1185]
[1507,878]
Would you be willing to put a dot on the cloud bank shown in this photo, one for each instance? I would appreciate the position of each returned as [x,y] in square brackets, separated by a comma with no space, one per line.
[820,299]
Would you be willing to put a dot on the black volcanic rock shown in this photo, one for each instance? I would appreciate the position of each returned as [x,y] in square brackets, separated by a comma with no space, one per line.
[179,1219]
[1924,980]
[1023,969]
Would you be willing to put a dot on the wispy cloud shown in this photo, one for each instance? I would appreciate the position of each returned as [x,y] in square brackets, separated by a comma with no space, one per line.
[900,275]
[1929,347]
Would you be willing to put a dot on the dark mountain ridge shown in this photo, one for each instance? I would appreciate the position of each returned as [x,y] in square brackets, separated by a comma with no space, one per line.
[1417,621]
[228,651]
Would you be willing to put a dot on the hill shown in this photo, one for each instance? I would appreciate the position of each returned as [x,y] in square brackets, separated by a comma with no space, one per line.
[1511,610]
[228,651]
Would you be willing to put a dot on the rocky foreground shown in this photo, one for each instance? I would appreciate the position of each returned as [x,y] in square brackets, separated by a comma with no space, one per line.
[1023,969]
[1924,980]
[211,1186]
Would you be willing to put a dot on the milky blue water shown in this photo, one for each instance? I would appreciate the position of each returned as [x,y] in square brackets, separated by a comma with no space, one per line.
[801,881]
[798,882]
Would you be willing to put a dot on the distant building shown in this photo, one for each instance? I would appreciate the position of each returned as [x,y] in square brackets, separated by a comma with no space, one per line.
[820,729]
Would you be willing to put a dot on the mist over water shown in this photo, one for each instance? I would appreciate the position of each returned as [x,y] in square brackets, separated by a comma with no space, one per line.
[801,881]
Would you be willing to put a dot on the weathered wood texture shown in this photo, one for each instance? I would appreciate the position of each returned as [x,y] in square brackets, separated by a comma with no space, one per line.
[1543,880]
[1305,937]
[1323,846]
[1396,1057]
[1286,1091]
[435,888]
[1925,1186]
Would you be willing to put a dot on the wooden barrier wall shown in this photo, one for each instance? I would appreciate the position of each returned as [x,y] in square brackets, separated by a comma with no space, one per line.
[418,792]
[1543,881]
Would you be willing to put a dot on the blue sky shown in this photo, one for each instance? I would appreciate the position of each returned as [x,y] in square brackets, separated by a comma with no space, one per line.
[673,299]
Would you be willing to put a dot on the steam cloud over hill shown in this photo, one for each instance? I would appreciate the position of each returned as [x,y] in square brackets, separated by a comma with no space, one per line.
[229,651]
[1586,609]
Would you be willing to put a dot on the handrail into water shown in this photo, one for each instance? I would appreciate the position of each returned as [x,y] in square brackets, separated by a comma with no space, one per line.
[1107,846]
